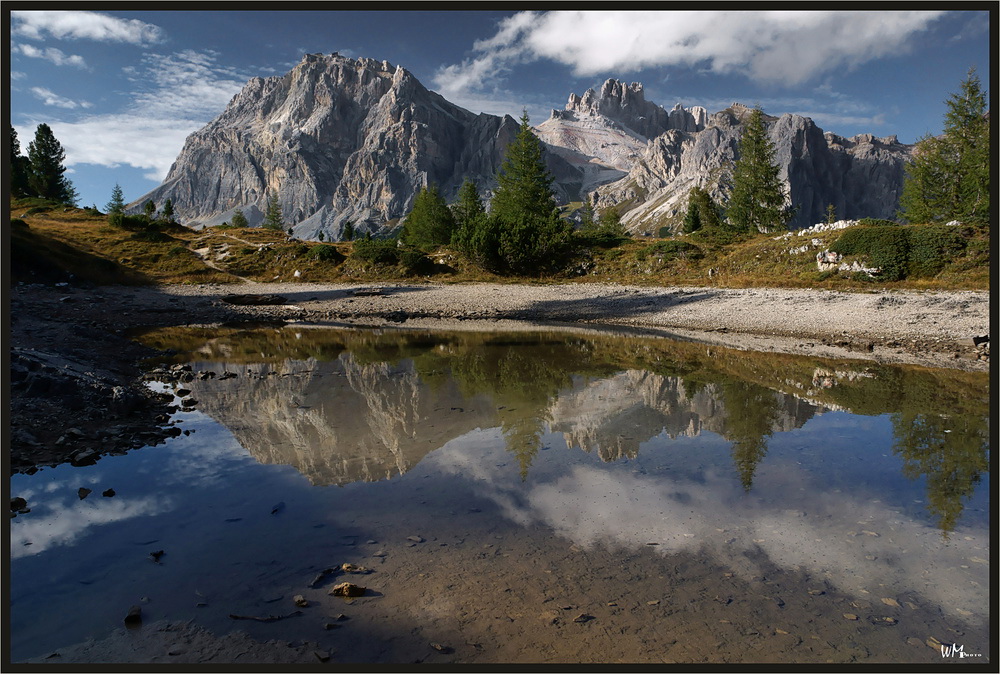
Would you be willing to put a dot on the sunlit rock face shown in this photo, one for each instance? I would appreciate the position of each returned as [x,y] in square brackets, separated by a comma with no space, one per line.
[354,140]
[337,139]
[860,176]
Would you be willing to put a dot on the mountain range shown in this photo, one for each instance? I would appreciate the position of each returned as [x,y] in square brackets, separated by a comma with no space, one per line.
[354,140]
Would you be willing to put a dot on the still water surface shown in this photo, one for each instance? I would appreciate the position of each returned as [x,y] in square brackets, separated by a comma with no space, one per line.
[529,497]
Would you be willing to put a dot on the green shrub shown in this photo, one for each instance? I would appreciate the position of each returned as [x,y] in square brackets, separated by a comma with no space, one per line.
[885,247]
[902,251]
[129,223]
[932,247]
[326,253]
[877,222]
[377,251]
[151,236]
[414,261]
[672,249]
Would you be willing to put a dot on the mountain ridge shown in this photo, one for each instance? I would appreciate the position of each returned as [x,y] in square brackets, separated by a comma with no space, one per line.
[354,140]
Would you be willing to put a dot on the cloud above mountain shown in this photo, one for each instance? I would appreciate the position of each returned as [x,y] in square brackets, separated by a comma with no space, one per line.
[787,47]
[74,24]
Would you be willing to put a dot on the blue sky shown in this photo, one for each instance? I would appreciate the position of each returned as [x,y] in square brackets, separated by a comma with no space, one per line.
[122,89]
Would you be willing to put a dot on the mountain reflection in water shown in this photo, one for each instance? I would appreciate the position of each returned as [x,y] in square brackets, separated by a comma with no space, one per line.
[546,496]
[362,405]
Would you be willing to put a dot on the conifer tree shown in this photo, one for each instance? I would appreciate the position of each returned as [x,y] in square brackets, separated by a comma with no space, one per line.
[45,168]
[757,200]
[239,219]
[18,167]
[431,222]
[168,210]
[117,202]
[149,209]
[524,186]
[949,175]
[348,232]
[524,228]
[272,217]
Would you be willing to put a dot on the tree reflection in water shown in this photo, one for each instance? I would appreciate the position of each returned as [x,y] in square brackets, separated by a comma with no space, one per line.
[940,417]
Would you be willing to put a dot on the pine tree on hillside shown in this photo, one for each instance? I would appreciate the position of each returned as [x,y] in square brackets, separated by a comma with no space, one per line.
[272,217]
[117,202]
[949,175]
[239,219]
[168,210]
[18,167]
[757,201]
[431,222]
[45,168]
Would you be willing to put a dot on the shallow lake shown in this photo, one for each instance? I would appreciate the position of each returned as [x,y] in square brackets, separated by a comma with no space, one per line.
[543,496]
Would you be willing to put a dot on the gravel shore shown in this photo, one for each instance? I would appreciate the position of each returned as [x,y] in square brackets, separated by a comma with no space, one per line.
[76,391]
[931,328]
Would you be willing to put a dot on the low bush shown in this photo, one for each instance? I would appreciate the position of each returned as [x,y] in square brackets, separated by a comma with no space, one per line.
[902,251]
[932,247]
[377,251]
[672,249]
[326,253]
[877,222]
[885,247]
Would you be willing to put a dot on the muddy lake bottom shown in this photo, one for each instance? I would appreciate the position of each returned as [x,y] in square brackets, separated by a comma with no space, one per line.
[603,512]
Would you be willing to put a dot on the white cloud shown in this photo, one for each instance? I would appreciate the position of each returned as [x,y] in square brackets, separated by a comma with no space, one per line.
[183,92]
[17,75]
[788,47]
[51,98]
[83,25]
[56,56]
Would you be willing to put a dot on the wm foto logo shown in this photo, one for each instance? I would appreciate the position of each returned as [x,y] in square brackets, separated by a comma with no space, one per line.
[955,650]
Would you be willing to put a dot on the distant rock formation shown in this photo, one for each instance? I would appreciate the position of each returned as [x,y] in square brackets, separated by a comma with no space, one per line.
[339,140]
[861,176]
[342,140]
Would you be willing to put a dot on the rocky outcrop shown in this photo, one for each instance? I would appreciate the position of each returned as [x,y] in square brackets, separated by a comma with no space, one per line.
[338,139]
[341,140]
[861,176]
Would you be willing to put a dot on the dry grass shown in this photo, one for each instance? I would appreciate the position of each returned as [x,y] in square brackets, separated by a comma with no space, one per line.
[56,240]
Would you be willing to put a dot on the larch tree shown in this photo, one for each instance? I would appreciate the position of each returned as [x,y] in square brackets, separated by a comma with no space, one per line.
[948,177]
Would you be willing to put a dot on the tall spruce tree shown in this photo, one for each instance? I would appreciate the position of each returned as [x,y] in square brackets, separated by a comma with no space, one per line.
[949,175]
[757,200]
[524,224]
[272,216]
[45,168]
[524,186]
[18,167]
[431,222]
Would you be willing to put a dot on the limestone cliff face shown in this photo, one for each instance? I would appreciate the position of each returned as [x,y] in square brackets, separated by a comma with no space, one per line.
[342,139]
[338,139]
[861,176]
